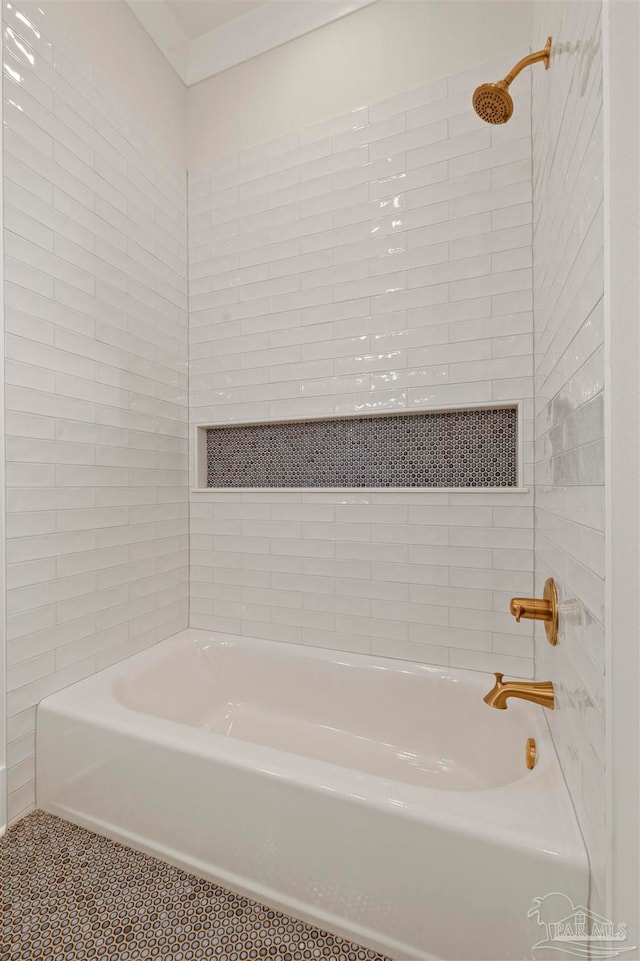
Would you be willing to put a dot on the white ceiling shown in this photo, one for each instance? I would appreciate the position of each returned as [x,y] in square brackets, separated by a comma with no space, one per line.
[200,38]
[200,16]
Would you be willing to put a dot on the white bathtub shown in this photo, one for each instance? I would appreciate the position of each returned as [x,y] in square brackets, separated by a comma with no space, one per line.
[378,798]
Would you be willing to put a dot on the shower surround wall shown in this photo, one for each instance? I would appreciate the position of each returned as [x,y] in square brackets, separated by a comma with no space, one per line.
[377,262]
[569,470]
[95,263]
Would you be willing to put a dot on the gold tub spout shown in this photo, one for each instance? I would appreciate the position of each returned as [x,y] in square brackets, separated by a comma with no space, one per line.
[540,692]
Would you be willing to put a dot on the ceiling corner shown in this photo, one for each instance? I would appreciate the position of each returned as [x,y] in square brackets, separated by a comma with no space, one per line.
[239,38]
[165,31]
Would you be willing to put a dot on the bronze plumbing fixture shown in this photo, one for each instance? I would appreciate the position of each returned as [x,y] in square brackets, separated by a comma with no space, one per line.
[530,753]
[539,692]
[540,609]
[492,101]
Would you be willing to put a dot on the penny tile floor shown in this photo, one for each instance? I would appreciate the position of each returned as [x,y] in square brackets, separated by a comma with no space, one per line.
[71,895]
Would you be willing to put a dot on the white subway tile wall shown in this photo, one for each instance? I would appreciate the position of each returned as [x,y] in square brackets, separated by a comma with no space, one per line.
[568,298]
[96,372]
[377,262]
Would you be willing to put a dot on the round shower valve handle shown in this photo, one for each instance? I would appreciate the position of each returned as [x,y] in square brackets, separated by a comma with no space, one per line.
[543,608]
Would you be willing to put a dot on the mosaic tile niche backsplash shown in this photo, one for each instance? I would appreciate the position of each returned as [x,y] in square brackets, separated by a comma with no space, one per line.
[465,448]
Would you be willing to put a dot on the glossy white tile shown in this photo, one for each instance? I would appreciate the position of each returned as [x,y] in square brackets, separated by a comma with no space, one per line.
[368,250]
[96,242]
[568,338]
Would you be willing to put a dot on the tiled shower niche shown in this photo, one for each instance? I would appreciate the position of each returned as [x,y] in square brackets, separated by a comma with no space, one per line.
[452,449]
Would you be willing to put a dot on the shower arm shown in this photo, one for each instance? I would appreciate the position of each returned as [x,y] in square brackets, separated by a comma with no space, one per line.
[536,57]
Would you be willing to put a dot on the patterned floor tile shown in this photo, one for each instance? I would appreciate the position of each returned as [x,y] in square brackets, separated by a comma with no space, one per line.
[71,895]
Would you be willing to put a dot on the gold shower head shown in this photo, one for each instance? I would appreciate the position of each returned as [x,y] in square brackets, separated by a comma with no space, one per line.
[492,101]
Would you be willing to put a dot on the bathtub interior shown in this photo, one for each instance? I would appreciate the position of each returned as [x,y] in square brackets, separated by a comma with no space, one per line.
[411,723]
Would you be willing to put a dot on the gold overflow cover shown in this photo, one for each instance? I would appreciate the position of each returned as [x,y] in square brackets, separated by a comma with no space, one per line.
[530,753]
